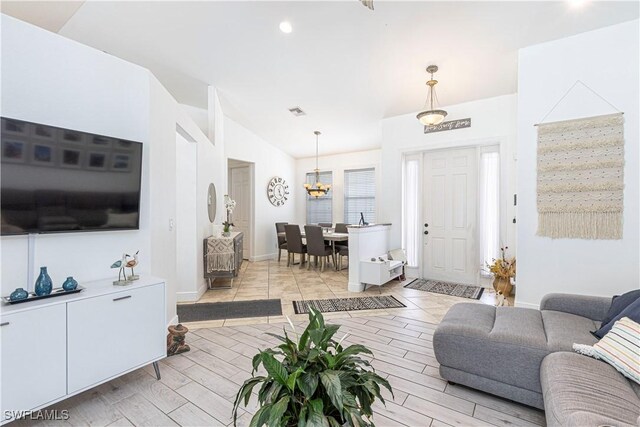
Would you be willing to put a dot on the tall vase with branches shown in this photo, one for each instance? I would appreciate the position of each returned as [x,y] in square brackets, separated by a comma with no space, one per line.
[229,205]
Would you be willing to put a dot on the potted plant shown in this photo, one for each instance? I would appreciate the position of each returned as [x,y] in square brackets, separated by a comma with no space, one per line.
[313,381]
[503,270]
[229,205]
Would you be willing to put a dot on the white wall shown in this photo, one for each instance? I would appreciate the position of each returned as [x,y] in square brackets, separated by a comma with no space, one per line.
[337,164]
[607,61]
[49,79]
[269,161]
[493,121]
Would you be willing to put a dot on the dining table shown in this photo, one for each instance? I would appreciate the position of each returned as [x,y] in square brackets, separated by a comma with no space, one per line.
[328,235]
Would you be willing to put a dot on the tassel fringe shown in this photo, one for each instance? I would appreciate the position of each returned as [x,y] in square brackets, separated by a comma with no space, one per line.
[581,225]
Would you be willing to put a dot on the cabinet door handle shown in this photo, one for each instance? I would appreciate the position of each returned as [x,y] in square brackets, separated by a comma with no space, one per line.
[121,298]
[4,323]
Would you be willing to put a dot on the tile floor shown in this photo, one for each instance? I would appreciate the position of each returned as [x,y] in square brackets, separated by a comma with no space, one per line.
[273,279]
[198,387]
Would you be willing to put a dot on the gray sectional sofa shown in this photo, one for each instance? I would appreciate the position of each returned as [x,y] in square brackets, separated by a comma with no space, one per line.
[526,355]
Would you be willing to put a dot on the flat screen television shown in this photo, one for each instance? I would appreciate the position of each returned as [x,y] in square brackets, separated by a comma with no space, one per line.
[61,180]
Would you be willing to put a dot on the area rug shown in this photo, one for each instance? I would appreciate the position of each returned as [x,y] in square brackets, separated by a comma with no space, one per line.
[446,288]
[228,310]
[347,304]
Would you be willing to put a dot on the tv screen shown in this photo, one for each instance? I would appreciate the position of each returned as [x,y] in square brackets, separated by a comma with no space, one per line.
[63,180]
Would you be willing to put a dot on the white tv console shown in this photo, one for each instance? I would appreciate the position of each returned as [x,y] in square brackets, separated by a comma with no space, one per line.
[58,347]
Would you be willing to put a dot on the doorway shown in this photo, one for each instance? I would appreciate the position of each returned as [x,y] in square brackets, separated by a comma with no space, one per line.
[240,181]
[450,187]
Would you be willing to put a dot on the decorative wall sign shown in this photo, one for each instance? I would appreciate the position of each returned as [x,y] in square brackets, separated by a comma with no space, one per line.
[450,125]
[580,178]
[278,191]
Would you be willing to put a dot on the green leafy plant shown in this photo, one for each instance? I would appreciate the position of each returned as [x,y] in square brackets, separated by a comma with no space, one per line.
[313,382]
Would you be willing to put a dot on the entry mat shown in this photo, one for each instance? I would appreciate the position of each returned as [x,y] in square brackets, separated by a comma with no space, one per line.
[347,304]
[446,288]
[229,310]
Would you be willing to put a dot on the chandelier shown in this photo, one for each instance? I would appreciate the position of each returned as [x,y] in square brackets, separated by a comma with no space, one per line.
[431,117]
[318,189]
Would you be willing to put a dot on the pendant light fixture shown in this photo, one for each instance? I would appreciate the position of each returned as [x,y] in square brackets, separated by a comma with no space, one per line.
[318,189]
[431,117]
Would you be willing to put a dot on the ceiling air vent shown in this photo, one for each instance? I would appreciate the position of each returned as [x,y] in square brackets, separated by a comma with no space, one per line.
[297,111]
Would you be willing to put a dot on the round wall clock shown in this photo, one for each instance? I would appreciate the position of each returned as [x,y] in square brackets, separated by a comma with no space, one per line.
[277,191]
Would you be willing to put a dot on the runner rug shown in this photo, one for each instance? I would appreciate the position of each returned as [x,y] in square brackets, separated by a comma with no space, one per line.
[446,288]
[228,310]
[347,304]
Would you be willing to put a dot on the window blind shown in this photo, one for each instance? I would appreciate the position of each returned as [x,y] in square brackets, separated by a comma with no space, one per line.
[320,209]
[359,195]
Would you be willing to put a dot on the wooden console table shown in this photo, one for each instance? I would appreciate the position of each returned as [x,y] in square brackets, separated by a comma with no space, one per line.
[222,258]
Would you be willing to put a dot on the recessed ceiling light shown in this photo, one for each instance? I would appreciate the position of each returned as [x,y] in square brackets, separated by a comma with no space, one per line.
[285,27]
[577,4]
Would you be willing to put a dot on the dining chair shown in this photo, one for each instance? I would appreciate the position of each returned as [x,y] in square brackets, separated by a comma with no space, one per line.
[325,224]
[282,240]
[342,248]
[341,228]
[316,246]
[342,252]
[294,244]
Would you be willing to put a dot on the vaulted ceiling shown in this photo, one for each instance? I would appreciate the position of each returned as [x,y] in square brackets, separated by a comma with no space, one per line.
[346,66]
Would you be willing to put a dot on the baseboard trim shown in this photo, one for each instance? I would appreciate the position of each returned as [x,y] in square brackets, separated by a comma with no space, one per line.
[264,257]
[173,321]
[527,305]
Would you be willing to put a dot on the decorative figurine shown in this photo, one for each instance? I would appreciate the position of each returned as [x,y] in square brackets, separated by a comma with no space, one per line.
[133,263]
[70,284]
[44,286]
[18,294]
[121,265]
[175,340]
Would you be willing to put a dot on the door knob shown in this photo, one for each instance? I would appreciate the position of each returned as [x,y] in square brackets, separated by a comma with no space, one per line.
[426,232]
[426,225]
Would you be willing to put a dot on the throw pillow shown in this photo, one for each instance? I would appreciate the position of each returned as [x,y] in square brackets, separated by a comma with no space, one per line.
[620,348]
[619,303]
[632,311]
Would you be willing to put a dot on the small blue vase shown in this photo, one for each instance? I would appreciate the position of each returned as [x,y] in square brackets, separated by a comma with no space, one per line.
[43,283]
[70,284]
[18,294]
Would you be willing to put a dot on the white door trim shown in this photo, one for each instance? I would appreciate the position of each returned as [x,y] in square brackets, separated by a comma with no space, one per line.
[479,143]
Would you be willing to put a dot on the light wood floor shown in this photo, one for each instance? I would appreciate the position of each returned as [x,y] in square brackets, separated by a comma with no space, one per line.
[198,387]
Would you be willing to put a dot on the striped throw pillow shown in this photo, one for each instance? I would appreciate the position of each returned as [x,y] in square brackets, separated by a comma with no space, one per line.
[620,348]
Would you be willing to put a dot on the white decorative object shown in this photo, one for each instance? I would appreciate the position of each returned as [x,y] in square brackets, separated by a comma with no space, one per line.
[59,347]
[580,178]
[365,243]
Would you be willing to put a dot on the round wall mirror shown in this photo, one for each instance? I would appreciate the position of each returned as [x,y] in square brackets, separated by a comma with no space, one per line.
[211,202]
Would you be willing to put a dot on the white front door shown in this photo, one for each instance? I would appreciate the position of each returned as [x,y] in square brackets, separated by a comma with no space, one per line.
[240,191]
[449,228]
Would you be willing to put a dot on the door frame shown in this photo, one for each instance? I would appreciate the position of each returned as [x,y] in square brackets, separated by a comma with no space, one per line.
[252,195]
[478,144]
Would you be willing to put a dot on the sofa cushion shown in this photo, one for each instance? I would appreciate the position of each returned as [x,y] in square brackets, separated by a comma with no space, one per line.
[632,311]
[580,391]
[619,303]
[563,330]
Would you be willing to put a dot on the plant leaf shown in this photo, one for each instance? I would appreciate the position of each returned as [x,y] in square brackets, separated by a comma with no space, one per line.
[275,368]
[308,383]
[245,393]
[331,382]
[291,382]
[260,416]
[277,411]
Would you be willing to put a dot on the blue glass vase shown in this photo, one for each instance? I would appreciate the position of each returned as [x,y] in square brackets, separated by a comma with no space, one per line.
[18,294]
[43,283]
[70,284]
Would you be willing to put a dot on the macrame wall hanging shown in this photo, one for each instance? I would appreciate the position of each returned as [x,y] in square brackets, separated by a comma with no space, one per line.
[580,177]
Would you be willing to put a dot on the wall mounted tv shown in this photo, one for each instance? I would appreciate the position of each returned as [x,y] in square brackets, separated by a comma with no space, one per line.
[61,180]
